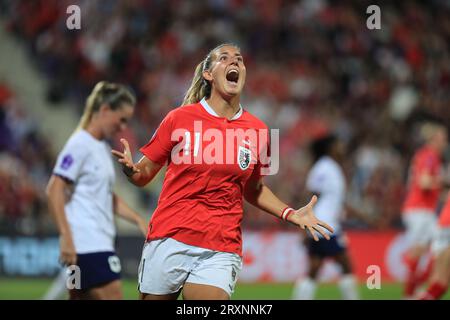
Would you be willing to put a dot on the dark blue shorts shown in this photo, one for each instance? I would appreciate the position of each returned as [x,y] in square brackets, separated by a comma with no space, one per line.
[326,248]
[98,268]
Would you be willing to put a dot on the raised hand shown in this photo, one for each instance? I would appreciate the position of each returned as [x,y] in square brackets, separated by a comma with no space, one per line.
[126,159]
[306,219]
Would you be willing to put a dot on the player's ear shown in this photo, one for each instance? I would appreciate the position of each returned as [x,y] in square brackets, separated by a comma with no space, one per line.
[207,75]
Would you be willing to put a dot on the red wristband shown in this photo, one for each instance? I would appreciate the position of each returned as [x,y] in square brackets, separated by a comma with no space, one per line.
[286,213]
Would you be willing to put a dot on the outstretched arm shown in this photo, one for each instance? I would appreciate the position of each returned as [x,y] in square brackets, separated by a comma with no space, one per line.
[139,173]
[125,212]
[259,195]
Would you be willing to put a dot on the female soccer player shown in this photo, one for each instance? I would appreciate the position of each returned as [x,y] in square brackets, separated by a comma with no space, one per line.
[81,196]
[327,179]
[440,276]
[424,189]
[214,153]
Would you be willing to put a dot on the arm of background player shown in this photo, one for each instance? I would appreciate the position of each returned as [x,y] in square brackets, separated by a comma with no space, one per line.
[124,211]
[428,181]
[139,173]
[56,199]
[259,195]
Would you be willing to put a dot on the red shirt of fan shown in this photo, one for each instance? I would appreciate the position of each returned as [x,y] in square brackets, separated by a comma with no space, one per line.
[428,160]
[444,218]
[209,160]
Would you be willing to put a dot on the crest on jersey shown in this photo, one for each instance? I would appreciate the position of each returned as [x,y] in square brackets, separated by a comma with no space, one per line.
[244,158]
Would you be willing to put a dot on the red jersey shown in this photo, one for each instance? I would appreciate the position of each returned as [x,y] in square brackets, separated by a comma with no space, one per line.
[201,201]
[427,160]
[444,218]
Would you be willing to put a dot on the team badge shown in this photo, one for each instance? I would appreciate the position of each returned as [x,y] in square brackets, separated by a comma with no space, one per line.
[244,157]
[66,162]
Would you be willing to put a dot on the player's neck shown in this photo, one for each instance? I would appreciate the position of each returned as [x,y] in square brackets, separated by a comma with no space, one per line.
[222,107]
[94,131]
[336,157]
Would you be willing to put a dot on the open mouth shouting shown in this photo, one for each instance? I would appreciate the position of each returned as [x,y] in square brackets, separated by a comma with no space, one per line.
[232,77]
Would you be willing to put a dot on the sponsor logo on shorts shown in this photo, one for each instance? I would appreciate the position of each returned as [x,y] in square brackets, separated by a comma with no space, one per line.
[114,264]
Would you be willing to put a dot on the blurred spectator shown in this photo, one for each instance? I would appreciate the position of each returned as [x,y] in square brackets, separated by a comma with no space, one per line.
[25,164]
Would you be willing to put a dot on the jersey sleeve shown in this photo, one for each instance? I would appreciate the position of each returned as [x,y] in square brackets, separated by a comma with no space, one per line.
[160,146]
[71,160]
[324,180]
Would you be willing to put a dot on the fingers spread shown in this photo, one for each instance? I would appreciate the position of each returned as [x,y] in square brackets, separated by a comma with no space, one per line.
[125,144]
[326,226]
[117,153]
[322,232]
[311,230]
[313,201]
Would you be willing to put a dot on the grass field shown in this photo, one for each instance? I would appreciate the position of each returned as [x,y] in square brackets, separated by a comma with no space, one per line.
[30,289]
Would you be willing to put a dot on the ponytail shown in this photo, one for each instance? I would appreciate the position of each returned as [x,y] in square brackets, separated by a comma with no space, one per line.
[199,88]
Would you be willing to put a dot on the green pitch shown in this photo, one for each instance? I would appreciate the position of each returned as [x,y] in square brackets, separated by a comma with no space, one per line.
[24,288]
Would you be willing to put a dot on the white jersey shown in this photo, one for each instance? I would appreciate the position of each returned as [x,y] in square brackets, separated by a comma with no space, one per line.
[87,162]
[327,179]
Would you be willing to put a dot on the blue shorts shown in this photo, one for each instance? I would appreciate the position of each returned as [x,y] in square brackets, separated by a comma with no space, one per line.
[327,248]
[98,268]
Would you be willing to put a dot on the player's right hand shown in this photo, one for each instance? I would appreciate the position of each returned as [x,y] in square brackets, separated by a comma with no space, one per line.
[68,255]
[126,159]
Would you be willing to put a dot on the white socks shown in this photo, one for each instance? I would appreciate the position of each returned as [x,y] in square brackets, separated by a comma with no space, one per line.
[304,289]
[348,287]
[58,288]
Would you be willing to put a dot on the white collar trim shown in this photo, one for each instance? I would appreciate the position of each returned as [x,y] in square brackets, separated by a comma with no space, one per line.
[211,111]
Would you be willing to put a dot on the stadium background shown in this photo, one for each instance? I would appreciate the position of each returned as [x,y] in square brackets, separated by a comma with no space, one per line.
[313,66]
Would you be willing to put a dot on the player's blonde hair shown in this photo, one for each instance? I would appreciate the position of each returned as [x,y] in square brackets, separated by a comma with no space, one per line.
[429,129]
[201,88]
[113,94]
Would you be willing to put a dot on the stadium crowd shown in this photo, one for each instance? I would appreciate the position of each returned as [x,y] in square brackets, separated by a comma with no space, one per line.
[26,159]
[315,68]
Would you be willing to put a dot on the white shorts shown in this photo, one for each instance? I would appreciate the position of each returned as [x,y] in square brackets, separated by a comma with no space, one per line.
[167,264]
[441,241]
[421,226]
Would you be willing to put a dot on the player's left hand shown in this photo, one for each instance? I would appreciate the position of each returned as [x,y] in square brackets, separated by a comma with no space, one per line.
[306,219]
